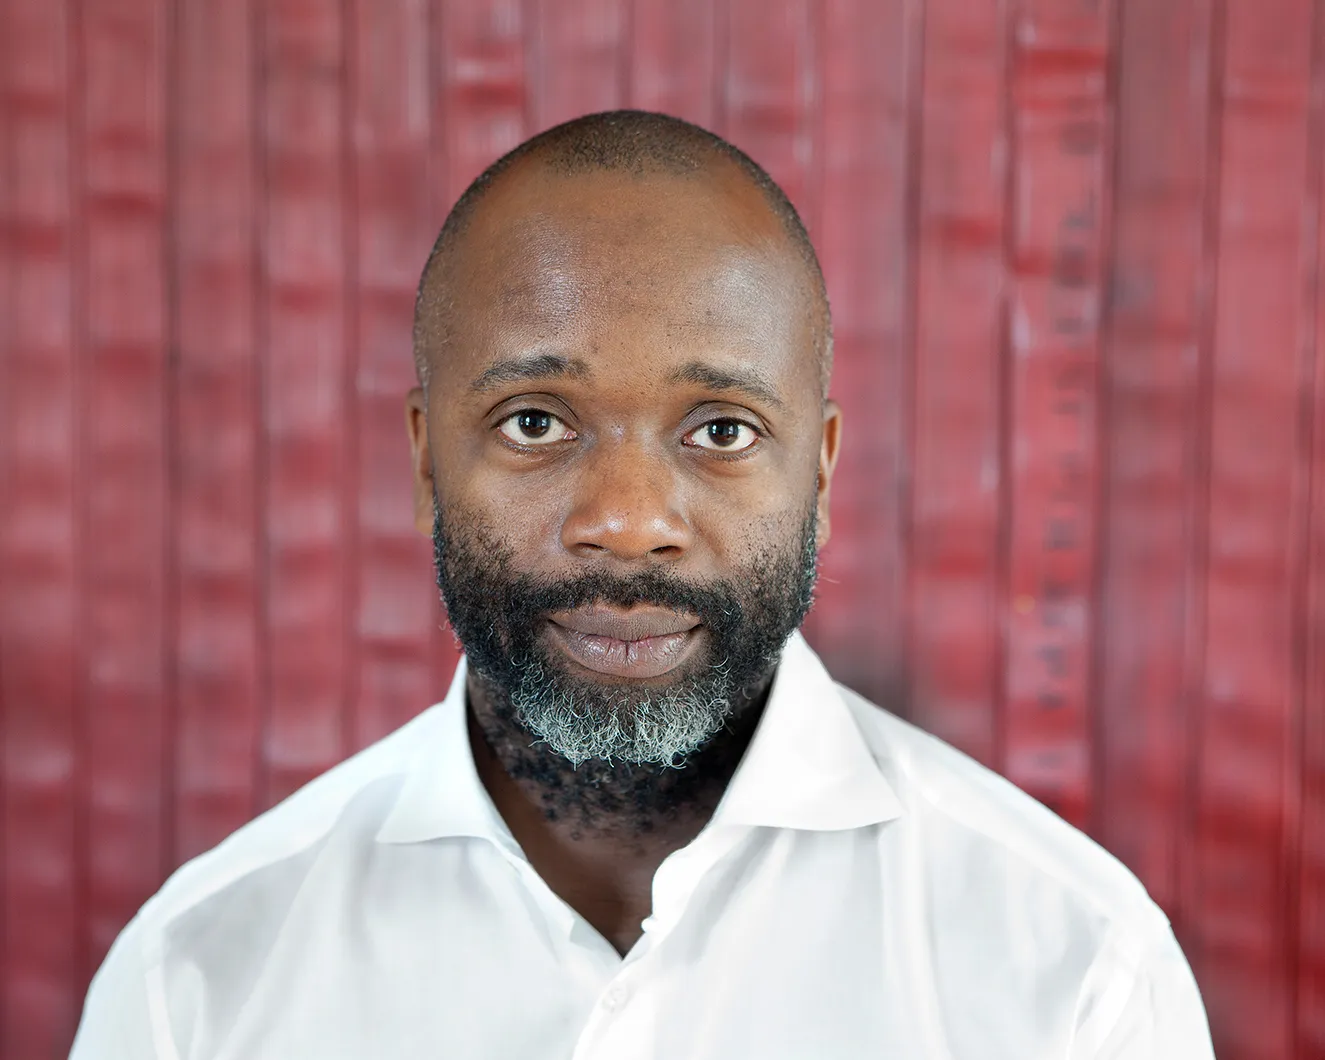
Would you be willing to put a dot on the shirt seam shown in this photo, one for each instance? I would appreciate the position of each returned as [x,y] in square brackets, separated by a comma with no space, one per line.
[1117,996]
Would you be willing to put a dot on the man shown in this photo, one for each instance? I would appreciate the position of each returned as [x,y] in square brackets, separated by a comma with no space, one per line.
[644,822]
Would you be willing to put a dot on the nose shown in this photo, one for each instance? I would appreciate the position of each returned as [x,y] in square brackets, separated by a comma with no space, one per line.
[626,505]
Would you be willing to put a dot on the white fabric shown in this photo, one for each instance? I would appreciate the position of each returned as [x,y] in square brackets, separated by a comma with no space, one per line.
[862,891]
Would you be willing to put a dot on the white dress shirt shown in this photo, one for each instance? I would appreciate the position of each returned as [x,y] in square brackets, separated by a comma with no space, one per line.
[863,891]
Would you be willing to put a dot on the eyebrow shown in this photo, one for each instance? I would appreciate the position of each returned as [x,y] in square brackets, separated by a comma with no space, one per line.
[521,369]
[742,380]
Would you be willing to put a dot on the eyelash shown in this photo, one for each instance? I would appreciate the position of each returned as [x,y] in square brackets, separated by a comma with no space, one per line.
[722,453]
[534,412]
[718,452]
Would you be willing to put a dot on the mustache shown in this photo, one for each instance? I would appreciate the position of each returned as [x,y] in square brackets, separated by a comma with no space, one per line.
[524,597]
[642,588]
[497,610]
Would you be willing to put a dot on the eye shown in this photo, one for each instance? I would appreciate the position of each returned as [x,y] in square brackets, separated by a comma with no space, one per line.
[534,427]
[725,436]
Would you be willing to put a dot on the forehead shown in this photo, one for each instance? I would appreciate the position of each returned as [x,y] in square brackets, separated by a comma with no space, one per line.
[672,260]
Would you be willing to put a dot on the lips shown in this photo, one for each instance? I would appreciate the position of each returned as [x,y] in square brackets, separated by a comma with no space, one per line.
[640,643]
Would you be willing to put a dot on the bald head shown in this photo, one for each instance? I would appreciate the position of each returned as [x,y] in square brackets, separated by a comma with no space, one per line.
[635,144]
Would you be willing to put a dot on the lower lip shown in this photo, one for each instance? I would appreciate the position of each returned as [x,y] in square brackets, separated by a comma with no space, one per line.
[639,659]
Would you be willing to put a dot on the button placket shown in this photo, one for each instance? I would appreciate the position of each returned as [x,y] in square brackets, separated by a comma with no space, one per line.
[608,1019]
[615,997]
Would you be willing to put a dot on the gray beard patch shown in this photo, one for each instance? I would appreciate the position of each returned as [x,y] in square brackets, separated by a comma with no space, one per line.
[641,727]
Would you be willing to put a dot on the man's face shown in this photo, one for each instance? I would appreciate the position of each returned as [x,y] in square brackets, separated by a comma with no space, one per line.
[623,454]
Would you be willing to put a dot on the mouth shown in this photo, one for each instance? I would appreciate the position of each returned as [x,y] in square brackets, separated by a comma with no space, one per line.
[637,644]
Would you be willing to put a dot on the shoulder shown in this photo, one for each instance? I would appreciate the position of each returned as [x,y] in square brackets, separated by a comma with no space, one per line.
[1015,895]
[147,981]
[344,805]
[972,817]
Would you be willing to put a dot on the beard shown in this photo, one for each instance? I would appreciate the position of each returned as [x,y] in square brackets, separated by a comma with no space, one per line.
[498,614]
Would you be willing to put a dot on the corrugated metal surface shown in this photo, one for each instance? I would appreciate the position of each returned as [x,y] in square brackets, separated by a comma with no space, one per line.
[1075,252]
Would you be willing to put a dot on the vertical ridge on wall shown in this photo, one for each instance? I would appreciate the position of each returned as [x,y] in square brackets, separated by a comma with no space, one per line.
[481,84]
[1150,382]
[580,50]
[9,220]
[218,642]
[958,421]
[304,254]
[1298,836]
[1308,841]
[866,245]
[1195,639]
[123,461]
[1248,688]
[40,659]
[720,26]
[1311,827]
[771,90]
[1062,123]
[390,138]
[349,480]
[169,254]
[672,53]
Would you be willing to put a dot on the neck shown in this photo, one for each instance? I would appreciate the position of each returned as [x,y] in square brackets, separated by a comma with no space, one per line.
[597,834]
[626,801]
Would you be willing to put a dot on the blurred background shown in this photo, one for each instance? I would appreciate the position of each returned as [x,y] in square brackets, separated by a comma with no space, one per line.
[1074,250]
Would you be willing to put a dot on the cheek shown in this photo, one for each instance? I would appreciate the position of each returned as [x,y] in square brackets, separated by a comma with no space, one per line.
[748,549]
[470,476]
[500,514]
[762,506]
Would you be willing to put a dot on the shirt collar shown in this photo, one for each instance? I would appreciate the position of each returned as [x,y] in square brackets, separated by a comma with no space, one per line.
[807,767]
[442,794]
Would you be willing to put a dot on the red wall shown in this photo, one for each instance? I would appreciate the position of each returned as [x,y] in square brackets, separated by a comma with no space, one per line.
[1074,250]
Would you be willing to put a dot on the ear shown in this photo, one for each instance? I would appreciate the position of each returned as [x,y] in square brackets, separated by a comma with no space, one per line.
[416,423]
[828,450]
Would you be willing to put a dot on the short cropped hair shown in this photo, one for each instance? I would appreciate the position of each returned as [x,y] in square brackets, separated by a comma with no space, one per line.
[640,143]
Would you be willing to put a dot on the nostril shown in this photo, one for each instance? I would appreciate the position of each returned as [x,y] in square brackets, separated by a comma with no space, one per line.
[628,523]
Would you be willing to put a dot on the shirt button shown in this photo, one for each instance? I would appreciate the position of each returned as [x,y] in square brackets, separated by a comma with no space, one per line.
[615,997]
